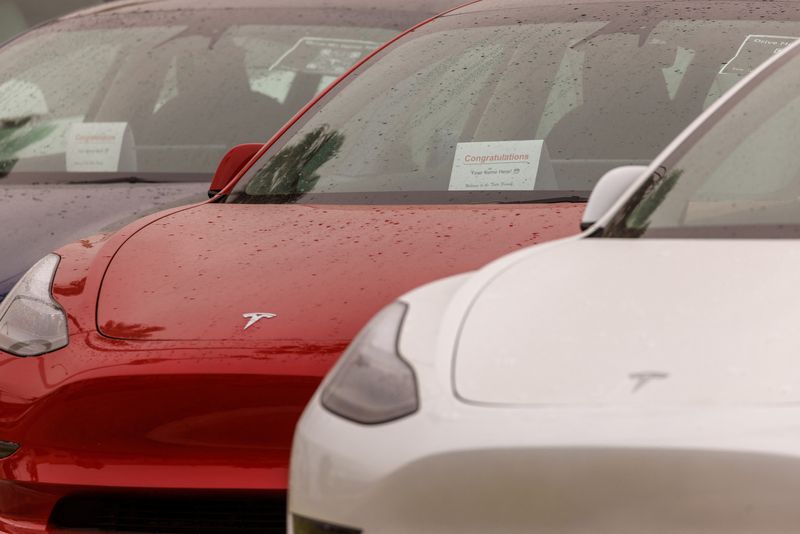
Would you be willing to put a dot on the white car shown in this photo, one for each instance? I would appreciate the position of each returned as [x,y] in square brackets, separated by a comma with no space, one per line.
[643,377]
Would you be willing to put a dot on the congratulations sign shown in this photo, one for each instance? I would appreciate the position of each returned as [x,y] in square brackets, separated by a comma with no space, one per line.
[496,166]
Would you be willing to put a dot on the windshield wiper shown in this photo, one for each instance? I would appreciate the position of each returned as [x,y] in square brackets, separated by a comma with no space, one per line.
[123,180]
[548,200]
[16,122]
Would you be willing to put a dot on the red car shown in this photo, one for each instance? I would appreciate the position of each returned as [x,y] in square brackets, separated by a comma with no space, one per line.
[125,109]
[151,379]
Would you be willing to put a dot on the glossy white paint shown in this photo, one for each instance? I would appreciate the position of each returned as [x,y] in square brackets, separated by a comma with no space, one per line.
[702,464]
[578,325]
[584,386]
[611,187]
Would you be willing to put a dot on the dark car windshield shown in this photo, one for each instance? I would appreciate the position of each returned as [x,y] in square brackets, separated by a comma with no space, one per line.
[738,176]
[526,103]
[161,96]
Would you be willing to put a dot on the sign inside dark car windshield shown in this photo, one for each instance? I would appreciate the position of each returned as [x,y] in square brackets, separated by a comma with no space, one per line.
[326,57]
[754,51]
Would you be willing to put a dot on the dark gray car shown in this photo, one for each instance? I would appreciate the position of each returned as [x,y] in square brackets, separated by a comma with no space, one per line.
[126,108]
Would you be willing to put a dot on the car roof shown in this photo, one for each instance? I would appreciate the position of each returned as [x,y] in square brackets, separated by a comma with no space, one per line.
[492,5]
[138,6]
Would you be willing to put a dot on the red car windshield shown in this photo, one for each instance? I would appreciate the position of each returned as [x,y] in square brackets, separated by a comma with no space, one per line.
[526,103]
[162,96]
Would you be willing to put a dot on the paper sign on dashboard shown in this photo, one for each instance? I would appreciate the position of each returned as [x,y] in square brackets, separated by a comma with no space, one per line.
[497,166]
[100,147]
[330,57]
[755,50]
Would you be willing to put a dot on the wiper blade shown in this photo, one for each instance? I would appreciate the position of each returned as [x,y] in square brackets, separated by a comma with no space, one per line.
[16,122]
[123,180]
[575,199]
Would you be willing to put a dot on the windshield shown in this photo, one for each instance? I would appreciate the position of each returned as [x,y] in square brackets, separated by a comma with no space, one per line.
[523,104]
[738,176]
[160,96]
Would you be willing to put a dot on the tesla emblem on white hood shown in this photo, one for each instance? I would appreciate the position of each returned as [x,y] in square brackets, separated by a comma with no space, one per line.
[643,378]
[253,318]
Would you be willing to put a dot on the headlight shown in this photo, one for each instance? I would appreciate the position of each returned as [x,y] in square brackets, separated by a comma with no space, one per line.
[31,322]
[373,384]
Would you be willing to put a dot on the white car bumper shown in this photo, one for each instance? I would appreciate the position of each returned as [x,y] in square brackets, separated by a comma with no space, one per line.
[471,469]
[636,467]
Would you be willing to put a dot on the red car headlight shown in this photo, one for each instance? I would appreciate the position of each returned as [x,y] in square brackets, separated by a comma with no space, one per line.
[31,322]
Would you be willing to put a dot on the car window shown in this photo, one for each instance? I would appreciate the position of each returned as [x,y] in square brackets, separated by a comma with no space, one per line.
[436,117]
[159,101]
[738,177]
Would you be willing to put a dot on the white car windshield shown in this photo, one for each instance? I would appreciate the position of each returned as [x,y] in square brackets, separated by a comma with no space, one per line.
[737,176]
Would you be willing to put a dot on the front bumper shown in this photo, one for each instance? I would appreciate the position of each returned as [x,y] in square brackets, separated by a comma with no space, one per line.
[39,508]
[579,470]
[107,421]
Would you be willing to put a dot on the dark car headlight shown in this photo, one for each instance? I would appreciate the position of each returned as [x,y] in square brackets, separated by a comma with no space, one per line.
[31,322]
[373,384]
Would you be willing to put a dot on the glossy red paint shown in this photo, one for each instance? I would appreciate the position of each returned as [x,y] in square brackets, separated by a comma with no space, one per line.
[233,162]
[190,400]
[162,390]
[324,270]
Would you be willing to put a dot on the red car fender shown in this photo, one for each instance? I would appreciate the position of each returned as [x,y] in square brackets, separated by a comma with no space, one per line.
[83,265]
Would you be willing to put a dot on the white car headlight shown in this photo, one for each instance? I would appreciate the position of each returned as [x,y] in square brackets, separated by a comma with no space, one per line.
[373,384]
[31,322]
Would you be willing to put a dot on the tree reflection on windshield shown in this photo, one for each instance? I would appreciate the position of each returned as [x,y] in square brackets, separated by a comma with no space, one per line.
[16,137]
[646,201]
[293,171]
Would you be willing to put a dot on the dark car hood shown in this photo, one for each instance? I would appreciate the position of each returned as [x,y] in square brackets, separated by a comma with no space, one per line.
[322,270]
[35,220]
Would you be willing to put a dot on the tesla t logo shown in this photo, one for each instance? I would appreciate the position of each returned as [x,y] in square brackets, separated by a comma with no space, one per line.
[645,377]
[253,318]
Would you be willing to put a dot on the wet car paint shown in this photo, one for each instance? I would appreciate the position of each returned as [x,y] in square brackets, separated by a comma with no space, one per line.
[210,405]
[58,214]
[36,218]
[282,259]
[184,418]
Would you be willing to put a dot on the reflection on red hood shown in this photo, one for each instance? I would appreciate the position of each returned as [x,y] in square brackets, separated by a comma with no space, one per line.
[322,270]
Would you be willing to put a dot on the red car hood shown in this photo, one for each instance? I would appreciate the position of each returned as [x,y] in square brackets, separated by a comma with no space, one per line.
[322,270]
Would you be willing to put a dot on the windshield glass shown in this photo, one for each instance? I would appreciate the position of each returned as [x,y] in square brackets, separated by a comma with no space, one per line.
[522,104]
[739,176]
[161,96]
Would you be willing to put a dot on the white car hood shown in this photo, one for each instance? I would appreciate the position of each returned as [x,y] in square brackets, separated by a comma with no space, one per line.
[633,321]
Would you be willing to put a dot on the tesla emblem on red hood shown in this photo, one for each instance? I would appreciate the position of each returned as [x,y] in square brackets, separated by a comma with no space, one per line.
[253,318]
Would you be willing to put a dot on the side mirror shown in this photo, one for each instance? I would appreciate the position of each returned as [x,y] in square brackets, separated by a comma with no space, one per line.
[608,190]
[233,162]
